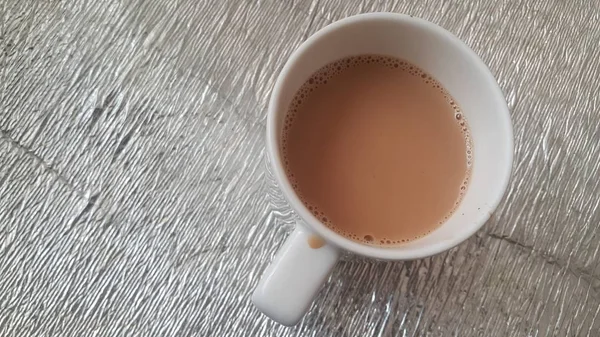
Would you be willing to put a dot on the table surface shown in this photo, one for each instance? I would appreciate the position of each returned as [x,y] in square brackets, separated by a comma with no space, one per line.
[135,198]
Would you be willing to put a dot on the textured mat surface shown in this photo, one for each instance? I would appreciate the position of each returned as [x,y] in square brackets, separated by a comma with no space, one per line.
[135,198]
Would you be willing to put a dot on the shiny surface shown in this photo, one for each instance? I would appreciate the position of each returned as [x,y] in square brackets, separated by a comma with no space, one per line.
[135,198]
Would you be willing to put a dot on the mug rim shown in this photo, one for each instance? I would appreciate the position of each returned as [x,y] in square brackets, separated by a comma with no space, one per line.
[314,224]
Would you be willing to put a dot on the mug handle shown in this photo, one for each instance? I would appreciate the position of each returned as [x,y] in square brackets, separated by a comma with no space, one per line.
[292,280]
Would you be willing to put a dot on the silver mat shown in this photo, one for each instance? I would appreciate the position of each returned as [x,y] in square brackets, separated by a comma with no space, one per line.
[135,198]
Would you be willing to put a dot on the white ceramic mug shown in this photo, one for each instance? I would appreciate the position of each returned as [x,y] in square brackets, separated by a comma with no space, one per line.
[294,277]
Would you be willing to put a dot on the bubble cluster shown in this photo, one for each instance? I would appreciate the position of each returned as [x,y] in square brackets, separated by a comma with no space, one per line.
[324,76]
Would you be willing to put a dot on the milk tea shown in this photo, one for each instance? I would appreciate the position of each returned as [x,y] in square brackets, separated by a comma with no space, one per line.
[377,149]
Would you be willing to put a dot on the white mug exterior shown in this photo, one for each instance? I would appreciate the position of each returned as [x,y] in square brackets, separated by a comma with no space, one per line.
[470,83]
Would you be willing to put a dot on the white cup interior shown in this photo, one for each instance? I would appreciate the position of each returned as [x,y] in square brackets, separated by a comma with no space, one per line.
[460,71]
